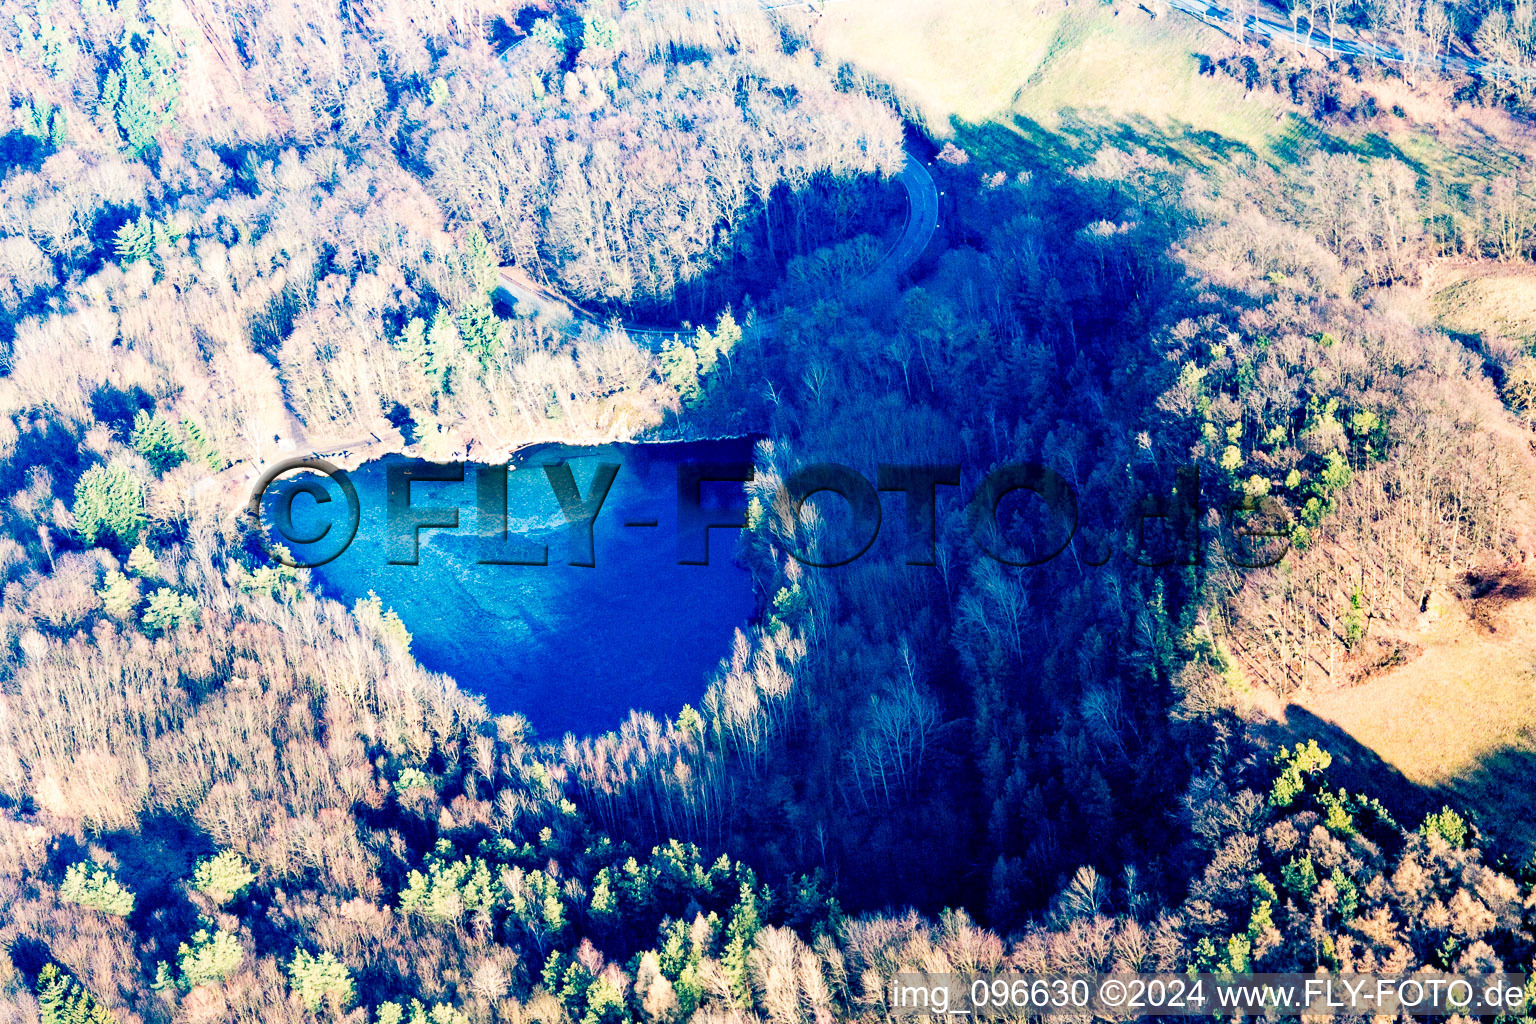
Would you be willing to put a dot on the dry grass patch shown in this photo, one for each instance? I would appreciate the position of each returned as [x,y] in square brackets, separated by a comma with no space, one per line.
[1489,300]
[1459,720]
[1057,65]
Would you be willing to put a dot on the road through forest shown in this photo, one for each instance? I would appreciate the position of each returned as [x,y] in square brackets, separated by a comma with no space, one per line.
[923,197]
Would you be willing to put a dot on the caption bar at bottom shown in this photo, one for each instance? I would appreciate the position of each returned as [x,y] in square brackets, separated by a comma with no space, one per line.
[1123,996]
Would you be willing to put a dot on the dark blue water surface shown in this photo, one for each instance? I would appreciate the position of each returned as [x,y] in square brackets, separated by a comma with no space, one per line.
[570,647]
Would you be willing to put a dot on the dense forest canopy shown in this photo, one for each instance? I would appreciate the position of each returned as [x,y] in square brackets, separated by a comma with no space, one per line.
[233,233]
[623,161]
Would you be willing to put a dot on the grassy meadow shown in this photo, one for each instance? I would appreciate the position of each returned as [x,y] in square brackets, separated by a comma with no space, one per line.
[1456,722]
[1096,72]
[1488,300]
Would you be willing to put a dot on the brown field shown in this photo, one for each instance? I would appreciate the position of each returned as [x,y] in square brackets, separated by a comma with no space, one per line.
[1046,65]
[1457,723]
[1487,300]
[1099,74]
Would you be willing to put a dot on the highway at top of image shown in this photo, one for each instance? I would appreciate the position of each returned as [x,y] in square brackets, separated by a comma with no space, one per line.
[1318,40]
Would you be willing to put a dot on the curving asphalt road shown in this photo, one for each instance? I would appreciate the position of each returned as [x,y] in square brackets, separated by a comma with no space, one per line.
[922,219]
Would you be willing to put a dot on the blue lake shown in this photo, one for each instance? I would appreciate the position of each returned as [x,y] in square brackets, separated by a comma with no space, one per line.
[571,647]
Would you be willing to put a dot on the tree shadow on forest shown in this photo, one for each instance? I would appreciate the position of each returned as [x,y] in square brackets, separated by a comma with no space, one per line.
[1055,817]
[29,956]
[153,860]
[755,256]
[272,325]
[110,219]
[42,444]
[156,859]
[116,407]
[20,151]
[242,159]
[1477,347]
